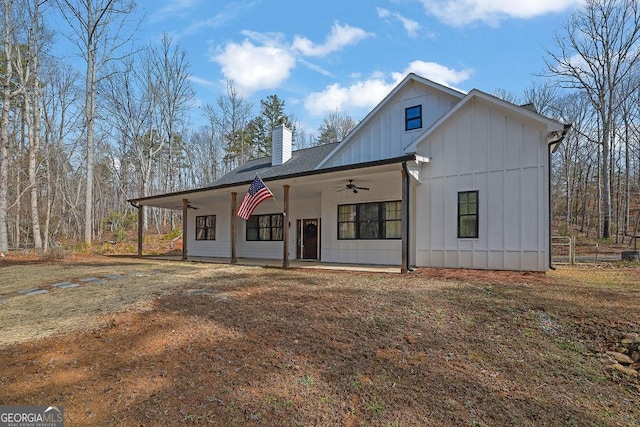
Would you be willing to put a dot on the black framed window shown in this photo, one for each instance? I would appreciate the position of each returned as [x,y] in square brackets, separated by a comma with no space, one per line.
[413,117]
[347,221]
[392,225]
[206,227]
[467,214]
[370,221]
[265,227]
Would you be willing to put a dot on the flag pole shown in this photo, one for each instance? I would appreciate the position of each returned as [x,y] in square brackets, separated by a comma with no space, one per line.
[274,197]
[285,222]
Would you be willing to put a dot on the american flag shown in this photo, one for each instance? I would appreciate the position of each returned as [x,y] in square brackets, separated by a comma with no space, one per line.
[257,193]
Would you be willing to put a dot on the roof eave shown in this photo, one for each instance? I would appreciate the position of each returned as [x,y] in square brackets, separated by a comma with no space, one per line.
[312,172]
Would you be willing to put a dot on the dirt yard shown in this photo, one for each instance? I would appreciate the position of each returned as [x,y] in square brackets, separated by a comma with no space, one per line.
[149,343]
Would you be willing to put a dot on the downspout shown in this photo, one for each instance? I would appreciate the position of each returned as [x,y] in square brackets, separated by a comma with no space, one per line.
[406,195]
[552,146]
[549,203]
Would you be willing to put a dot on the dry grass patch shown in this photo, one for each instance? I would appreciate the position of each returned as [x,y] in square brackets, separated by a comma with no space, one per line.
[249,346]
[122,284]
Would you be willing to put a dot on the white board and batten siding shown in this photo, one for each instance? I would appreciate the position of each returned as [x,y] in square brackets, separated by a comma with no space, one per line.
[384,188]
[221,246]
[298,209]
[383,136]
[503,156]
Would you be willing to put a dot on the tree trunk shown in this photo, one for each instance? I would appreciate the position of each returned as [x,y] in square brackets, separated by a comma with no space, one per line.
[4,124]
[89,111]
[627,174]
[33,185]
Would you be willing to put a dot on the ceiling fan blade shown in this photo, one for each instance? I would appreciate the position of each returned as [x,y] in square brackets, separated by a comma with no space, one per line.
[189,206]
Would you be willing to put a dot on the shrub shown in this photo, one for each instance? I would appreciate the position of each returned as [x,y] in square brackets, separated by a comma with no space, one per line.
[54,253]
[173,234]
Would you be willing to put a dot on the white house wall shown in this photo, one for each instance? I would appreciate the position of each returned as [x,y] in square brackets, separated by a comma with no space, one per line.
[383,136]
[502,155]
[221,247]
[383,188]
[298,209]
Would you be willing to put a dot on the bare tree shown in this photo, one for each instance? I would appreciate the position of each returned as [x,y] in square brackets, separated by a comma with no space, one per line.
[506,95]
[544,97]
[598,50]
[9,91]
[170,67]
[335,126]
[229,119]
[130,104]
[574,162]
[60,119]
[28,71]
[97,26]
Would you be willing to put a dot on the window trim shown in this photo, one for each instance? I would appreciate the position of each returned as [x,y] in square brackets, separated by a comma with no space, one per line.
[271,228]
[381,220]
[408,119]
[205,227]
[476,215]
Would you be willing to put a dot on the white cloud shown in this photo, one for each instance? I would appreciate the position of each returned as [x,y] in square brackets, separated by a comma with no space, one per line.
[410,26]
[203,82]
[340,36]
[436,72]
[368,93]
[265,60]
[462,12]
[318,69]
[336,97]
[228,13]
[173,8]
[253,67]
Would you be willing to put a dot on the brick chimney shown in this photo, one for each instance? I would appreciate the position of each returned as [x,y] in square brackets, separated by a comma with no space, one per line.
[281,141]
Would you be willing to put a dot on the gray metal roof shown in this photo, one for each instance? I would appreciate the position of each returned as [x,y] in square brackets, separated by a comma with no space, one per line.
[304,160]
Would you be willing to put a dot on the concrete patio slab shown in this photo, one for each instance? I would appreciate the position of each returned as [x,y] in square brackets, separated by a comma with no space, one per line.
[69,286]
[60,284]
[92,280]
[293,264]
[139,274]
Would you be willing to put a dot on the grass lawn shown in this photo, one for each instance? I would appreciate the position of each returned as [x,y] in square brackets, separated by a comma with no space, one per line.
[169,343]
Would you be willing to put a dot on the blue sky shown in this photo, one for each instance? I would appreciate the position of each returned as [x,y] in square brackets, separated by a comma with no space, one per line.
[320,56]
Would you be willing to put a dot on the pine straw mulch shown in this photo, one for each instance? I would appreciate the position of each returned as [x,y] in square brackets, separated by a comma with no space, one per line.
[179,343]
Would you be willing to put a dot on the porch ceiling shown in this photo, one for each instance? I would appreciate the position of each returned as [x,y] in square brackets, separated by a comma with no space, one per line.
[300,187]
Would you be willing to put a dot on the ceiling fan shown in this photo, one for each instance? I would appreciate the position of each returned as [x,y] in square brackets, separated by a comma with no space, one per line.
[353,187]
[189,205]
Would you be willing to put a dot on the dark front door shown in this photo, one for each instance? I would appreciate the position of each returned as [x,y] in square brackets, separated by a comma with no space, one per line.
[310,231]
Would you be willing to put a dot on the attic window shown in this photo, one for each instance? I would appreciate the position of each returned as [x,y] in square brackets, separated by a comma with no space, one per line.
[413,117]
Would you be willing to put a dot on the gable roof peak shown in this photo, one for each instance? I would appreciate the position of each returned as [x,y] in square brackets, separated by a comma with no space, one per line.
[409,78]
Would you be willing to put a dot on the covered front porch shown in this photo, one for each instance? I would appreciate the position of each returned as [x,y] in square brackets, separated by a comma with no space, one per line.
[302,202]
